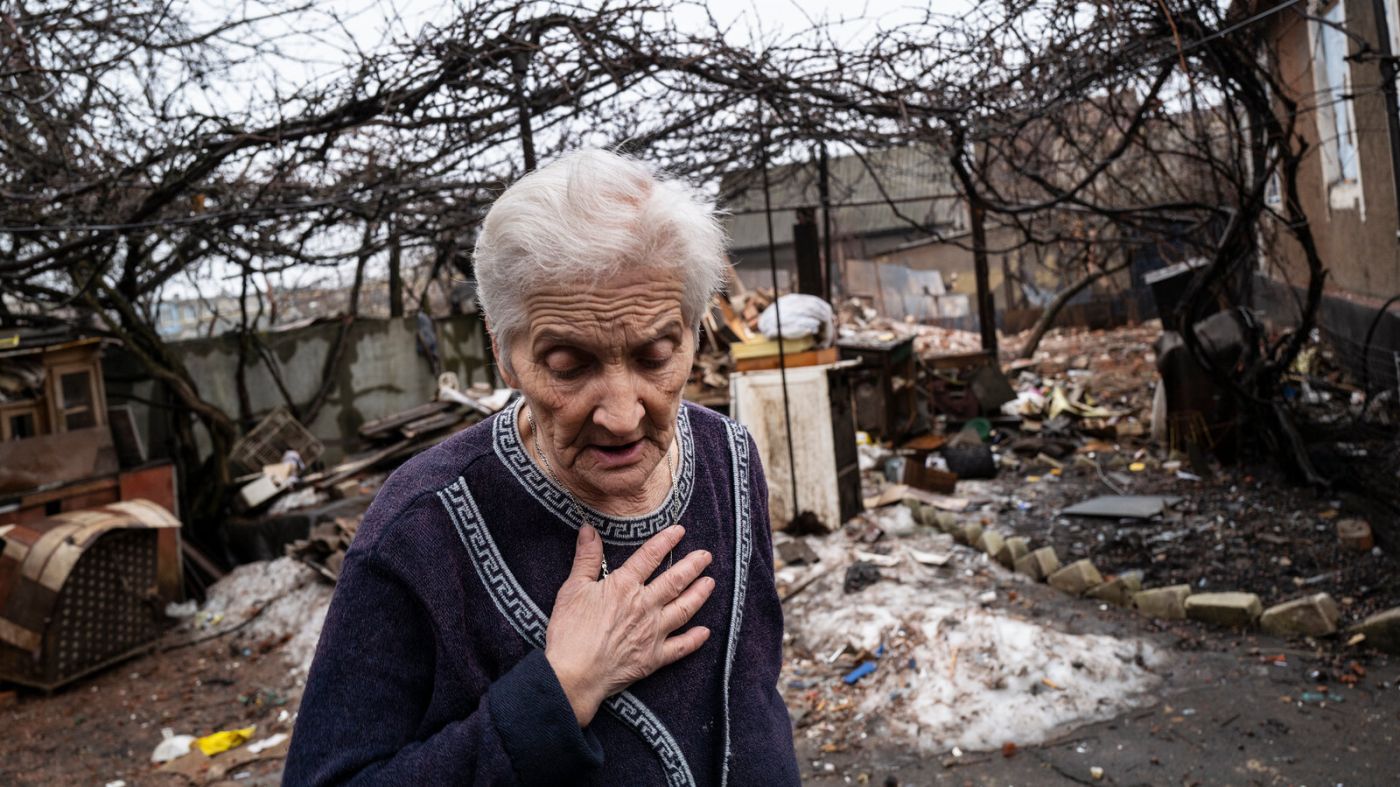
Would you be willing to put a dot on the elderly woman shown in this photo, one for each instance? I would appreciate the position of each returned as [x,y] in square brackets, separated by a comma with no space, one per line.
[580,588]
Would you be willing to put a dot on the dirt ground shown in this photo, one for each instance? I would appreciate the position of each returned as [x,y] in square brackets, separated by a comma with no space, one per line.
[103,729]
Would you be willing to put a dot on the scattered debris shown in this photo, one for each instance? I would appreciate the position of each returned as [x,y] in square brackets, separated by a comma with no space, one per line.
[859,576]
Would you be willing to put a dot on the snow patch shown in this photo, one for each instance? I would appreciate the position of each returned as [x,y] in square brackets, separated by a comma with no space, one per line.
[982,675]
[288,598]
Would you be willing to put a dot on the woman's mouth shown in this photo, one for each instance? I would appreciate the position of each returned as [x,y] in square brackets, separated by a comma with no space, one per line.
[614,456]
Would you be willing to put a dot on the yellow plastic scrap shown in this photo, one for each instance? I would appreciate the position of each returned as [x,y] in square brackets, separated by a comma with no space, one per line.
[223,741]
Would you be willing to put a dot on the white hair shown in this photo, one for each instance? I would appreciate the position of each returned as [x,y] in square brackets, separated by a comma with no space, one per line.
[584,218]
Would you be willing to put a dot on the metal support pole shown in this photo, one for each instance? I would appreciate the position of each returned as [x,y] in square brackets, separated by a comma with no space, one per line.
[777,311]
[824,191]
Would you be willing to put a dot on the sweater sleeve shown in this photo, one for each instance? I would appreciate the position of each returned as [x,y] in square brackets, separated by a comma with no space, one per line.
[369,688]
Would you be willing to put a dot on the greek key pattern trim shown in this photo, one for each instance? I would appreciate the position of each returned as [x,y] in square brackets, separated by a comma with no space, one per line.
[625,531]
[743,552]
[531,623]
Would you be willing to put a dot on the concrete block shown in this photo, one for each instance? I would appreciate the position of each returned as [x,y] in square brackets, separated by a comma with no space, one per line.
[1076,578]
[1118,590]
[969,533]
[1237,610]
[946,522]
[1310,616]
[1382,630]
[1012,550]
[1039,564]
[991,542]
[1167,603]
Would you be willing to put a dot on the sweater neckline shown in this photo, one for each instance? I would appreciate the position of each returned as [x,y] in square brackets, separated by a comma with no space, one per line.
[633,530]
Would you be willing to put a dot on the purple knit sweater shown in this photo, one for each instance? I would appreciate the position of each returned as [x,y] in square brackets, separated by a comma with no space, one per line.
[431,669]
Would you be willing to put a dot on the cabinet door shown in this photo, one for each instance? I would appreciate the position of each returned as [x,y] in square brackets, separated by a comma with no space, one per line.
[76,397]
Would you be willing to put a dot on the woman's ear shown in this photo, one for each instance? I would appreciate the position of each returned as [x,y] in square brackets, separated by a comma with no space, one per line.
[502,368]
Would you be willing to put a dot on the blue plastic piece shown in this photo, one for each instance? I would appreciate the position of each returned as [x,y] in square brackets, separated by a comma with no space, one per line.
[859,672]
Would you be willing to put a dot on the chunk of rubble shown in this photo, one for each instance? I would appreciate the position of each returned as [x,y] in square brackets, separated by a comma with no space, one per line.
[1076,578]
[1119,590]
[1039,564]
[1382,630]
[1236,610]
[1168,603]
[796,552]
[1310,616]
[1355,534]
[1012,550]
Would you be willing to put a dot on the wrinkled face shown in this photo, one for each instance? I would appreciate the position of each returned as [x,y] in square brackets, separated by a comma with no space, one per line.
[602,367]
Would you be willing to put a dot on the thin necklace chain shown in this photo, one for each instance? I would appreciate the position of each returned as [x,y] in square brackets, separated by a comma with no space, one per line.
[573,501]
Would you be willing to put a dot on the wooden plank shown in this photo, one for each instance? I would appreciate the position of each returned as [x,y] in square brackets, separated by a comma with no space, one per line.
[384,427]
[430,424]
[826,355]
[341,472]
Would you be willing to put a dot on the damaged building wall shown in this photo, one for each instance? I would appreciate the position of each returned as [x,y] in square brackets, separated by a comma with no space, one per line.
[1353,220]
[382,371]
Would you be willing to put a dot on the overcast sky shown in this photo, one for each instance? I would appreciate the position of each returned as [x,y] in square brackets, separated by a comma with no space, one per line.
[321,45]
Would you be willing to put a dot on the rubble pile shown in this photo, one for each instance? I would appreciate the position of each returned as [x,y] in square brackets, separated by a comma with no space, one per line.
[858,321]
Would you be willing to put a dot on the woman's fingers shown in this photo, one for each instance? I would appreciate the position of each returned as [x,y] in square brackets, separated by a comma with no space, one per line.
[678,577]
[678,612]
[588,555]
[678,647]
[647,557]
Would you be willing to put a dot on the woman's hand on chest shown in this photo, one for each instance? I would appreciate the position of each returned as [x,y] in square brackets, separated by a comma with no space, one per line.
[604,635]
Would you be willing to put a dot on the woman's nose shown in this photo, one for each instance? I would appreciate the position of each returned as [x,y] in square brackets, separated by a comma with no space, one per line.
[620,410]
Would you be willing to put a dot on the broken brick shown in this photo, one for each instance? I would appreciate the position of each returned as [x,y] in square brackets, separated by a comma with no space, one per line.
[1012,550]
[990,542]
[1382,630]
[1118,590]
[1039,564]
[1076,578]
[969,533]
[1168,603]
[1236,610]
[1310,616]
